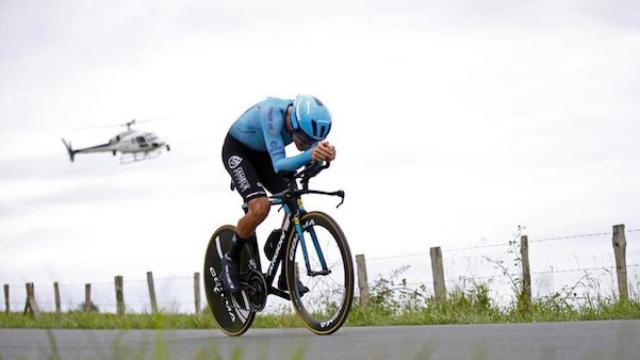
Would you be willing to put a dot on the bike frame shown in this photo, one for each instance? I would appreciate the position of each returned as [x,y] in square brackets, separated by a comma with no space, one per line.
[291,202]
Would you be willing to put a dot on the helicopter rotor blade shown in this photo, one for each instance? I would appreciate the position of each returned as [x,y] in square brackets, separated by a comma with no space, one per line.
[126,124]
[98,127]
[156,118]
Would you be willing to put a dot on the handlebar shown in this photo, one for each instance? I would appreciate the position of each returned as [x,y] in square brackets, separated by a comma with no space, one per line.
[311,170]
[305,175]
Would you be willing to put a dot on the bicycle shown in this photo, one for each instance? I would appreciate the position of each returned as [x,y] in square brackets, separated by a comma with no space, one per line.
[325,308]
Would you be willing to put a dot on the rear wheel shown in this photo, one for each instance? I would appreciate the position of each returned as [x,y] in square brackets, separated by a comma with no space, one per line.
[231,313]
[325,308]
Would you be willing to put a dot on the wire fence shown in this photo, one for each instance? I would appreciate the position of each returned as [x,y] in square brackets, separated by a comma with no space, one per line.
[498,264]
[493,263]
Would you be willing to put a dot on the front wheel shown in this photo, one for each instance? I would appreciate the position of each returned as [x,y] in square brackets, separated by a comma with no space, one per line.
[326,269]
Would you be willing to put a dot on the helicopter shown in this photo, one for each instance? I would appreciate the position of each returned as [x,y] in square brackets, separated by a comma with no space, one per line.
[133,145]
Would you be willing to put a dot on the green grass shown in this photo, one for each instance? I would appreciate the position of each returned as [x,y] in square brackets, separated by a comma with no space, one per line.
[474,307]
[471,307]
[79,320]
[390,303]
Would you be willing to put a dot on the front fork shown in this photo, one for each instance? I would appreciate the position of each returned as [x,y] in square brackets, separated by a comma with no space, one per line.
[314,239]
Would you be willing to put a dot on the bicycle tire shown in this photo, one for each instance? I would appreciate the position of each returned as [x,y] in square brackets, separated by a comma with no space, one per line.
[315,325]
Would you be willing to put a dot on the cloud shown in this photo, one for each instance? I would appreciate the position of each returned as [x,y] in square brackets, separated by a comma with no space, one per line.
[97,194]
[463,117]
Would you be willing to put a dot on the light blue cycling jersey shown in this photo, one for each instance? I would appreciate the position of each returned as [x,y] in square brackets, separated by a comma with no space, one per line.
[262,128]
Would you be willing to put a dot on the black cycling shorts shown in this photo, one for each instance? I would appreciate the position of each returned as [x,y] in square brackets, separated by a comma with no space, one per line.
[251,171]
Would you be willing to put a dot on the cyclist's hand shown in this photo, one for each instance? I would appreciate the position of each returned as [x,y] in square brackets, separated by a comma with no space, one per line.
[332,150]
[323,152]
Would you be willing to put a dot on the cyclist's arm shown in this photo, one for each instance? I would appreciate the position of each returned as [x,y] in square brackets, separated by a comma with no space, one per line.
[272,123]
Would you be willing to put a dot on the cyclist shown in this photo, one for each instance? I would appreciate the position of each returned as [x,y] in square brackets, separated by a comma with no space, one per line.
[254,156]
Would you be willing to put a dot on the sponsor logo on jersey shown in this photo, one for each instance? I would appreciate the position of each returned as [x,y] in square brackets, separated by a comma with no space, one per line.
[234,161]
[275,145]
[270,118]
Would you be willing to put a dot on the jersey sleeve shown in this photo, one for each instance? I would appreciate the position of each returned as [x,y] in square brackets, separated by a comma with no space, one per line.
[272,123]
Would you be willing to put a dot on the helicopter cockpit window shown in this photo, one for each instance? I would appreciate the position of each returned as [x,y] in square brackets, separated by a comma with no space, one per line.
[140,140]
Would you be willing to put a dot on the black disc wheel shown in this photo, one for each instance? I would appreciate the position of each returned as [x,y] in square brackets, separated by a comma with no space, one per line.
[232,313]
[325,308]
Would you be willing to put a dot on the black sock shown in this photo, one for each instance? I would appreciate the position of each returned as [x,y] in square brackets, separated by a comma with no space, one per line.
[236,245]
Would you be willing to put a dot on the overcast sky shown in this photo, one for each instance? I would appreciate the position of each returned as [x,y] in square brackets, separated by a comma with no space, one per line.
[454,121]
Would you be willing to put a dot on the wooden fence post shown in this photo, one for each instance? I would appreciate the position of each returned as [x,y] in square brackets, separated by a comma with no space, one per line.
[87,298]
[152,293]
[437,271]
[7,306]
[363,282]
[119,295]
[31,307]
[196,291]
[620,250]
[526,272]
[56,294]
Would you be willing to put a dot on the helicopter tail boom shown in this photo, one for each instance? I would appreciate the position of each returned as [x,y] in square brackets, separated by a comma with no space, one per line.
[70,150]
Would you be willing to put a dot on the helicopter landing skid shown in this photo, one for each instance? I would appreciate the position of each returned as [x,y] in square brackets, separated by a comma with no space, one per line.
[135,157]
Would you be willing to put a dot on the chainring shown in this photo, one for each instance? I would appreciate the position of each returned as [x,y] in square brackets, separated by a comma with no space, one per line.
[256,290]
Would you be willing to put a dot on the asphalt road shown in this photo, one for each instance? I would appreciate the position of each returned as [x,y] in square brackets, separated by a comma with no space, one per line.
[567,340]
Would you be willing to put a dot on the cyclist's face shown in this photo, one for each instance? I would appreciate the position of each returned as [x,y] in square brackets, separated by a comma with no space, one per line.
[302,140]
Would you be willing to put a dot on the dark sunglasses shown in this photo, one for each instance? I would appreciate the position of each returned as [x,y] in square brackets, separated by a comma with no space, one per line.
[304,138]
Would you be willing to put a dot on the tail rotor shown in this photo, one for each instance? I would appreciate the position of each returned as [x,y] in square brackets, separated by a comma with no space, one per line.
[69,149]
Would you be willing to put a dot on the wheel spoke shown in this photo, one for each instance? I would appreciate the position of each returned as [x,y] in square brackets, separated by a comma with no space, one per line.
[334,264]
[324,282]
[314,286]
[335,282]
[324,250]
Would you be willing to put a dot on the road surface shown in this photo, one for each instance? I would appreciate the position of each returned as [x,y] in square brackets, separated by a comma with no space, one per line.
[565,340]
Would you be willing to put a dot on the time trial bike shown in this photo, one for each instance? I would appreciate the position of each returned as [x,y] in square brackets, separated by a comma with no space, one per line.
[309,248]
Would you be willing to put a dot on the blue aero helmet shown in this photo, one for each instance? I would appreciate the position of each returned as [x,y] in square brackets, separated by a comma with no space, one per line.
[311,116]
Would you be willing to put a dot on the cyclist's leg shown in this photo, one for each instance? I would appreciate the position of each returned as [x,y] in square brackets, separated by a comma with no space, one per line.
[238,162]
[268,177]
[275,184]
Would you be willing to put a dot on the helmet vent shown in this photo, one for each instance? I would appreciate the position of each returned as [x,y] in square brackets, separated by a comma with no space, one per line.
[314,126]
[317,101]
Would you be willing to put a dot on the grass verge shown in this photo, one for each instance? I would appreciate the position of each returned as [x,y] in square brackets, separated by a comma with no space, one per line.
[391,302]
[472,307]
